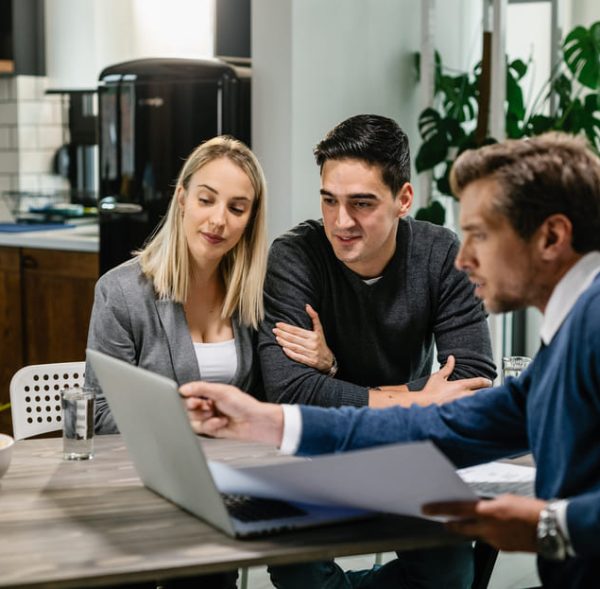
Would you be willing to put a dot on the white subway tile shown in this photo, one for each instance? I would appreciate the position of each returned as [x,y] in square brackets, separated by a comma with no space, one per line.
[57,114]
[14,137]
[9,162]
[35,162]
[50,137]
[5,138]
[27,88]
[35,113]
[5,214]
[27,137]
[7,89]
[8,113]
[28,182]
[5,183]
[53,183]
[42,84]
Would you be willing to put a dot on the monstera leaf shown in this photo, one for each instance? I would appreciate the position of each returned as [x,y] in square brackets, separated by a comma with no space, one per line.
[459,97]
[434,213]
[582,55]
[439,134]
[583,116]
[514,94]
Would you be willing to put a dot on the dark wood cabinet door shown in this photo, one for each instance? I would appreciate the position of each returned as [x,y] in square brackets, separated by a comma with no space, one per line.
[11,343]
[58,296]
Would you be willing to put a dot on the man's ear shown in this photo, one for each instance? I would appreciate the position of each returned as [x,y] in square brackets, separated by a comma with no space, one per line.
[404,199]
[555,236]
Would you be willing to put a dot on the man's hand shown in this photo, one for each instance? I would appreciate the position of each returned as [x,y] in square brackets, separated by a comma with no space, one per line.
[303,345]
[438,390]
[508,522]
[223,411]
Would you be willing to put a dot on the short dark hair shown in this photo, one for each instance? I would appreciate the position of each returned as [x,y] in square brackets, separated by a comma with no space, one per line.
[371,138]
[541,176]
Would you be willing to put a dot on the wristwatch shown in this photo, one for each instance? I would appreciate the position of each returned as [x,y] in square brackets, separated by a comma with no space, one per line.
[551,542]
[334,368]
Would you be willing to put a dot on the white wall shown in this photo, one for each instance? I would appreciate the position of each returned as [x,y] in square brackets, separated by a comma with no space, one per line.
[84,36]
[582,12]
[316,63]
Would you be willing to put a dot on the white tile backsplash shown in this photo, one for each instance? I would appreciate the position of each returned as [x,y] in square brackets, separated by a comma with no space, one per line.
[27,88]
[29,182]
[50,137]
[31,129]
[5,182]
[7,89]
[27,137]
[52,183]
[9,160]
[5,138]
[8,113]
[38,161]
[36,113]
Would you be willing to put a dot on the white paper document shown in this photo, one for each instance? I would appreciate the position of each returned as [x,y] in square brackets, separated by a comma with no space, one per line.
[495,478]
[398,479]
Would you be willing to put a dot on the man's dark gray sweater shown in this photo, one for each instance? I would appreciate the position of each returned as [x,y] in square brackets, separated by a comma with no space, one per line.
[381,334]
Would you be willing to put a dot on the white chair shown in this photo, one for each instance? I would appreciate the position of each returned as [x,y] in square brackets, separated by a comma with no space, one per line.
[35,396]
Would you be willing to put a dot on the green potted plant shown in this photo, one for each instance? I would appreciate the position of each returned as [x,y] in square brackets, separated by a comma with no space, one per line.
[457,122]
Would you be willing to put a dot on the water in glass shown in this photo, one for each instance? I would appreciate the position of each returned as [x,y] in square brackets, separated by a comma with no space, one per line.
[78,424]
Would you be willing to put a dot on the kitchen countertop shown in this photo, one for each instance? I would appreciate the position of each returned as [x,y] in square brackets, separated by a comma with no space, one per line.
[81,238]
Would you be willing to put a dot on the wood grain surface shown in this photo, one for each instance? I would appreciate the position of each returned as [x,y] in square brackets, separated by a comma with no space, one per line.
[92,524]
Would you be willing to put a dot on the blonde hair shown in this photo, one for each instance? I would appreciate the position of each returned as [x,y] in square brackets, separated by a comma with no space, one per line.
[165,258]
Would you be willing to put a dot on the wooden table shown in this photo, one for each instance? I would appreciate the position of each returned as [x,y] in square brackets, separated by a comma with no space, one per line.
[93,524]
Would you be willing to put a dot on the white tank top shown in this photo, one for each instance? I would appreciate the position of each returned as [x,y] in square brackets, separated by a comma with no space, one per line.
[217,361]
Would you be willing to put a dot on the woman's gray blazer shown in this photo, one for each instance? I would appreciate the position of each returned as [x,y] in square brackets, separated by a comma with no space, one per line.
[129,322]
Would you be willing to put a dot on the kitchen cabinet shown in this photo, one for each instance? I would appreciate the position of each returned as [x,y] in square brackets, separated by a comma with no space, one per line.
[46,298]
[11,343]
[22,37]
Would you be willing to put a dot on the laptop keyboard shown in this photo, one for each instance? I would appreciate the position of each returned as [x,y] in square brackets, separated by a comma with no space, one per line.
[250,509]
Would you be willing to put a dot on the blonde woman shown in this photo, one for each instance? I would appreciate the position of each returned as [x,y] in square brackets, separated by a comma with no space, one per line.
[187,305]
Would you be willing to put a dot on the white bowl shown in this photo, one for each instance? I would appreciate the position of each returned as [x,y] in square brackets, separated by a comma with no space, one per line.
[6,448]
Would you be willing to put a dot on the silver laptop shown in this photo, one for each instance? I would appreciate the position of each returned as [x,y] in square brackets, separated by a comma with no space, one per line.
[169,459]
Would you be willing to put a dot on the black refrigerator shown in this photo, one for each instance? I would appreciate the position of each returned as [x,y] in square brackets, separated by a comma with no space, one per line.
[152,114]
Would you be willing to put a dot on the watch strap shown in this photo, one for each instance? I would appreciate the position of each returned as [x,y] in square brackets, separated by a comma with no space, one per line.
[334,368]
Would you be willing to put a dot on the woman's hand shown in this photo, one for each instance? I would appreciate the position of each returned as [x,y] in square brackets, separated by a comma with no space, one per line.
[305,346]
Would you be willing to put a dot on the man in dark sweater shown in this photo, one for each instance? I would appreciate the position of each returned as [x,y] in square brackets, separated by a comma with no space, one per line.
[383,285]
[530,214]
[381,290]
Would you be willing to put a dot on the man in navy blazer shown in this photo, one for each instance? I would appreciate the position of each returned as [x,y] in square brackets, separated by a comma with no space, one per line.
[530,217]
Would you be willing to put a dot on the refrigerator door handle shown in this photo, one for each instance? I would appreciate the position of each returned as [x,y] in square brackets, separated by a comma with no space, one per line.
[109,204]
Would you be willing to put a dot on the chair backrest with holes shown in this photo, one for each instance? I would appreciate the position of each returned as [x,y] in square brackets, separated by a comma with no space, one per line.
[35,396]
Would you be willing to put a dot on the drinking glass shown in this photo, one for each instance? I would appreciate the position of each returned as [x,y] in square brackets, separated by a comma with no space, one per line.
[78,423]
[514,365]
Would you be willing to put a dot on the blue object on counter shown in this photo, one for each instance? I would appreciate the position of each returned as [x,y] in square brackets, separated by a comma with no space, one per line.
[23,227]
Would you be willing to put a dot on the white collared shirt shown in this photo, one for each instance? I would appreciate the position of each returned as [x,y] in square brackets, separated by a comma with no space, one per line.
[565,294]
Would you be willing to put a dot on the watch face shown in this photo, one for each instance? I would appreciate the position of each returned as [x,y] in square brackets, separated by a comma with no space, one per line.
[550,542]
[550,545]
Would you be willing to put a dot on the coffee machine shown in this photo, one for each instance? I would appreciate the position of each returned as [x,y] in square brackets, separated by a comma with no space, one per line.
[152,114]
